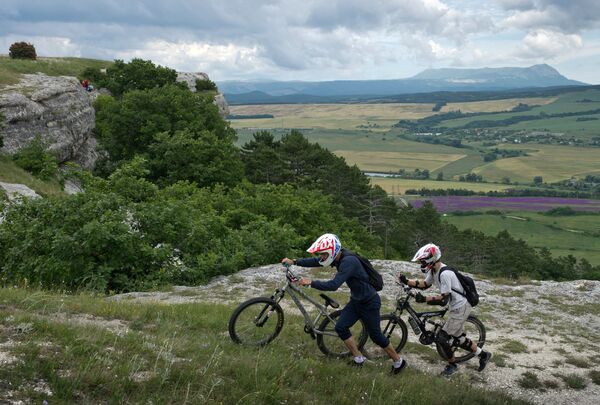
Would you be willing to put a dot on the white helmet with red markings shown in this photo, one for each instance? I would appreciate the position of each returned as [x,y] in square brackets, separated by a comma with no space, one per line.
[428,255]
[326,243]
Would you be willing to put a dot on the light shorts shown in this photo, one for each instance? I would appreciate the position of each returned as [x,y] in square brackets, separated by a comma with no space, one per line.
[455,325]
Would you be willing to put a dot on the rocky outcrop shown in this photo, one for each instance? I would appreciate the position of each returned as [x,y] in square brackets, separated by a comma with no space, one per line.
[16,191]
[190,78]
[56,108]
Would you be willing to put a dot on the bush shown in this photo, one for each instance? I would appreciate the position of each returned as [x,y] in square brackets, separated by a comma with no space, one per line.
[203,85]
[36,160]
[22,50]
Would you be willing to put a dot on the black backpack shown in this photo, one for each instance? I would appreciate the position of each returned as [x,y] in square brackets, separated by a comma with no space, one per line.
[467,284]
[375,278]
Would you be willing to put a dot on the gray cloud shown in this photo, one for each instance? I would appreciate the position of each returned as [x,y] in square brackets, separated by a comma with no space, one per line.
[561,15]
[293,39]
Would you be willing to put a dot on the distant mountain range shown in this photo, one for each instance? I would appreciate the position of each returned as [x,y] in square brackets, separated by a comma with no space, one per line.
[428,81]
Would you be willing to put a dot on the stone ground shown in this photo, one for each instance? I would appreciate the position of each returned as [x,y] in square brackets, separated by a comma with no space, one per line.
[547,328]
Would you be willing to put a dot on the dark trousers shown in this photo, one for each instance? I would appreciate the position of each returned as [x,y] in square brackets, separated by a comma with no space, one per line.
[368,311]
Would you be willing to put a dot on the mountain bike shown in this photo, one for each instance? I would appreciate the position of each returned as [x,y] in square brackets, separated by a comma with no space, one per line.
[426,325]
[257,321]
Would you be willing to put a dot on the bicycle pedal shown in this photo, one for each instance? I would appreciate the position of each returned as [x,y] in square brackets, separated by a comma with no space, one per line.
[309,330]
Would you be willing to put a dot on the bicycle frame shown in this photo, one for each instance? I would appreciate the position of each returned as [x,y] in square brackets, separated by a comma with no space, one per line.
[296,294]
[422,318]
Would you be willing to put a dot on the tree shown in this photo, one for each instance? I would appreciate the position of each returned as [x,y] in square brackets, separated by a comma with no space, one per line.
[199,157]
[128,126]
[440,176]
[205,85]
[262,160]
[22,50]
[537,180]
[138,74]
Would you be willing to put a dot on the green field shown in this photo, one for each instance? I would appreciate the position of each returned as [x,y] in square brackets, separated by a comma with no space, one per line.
[11,69]
[577,235]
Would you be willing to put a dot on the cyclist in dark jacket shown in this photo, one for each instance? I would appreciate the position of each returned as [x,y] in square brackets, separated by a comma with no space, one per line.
[364,302]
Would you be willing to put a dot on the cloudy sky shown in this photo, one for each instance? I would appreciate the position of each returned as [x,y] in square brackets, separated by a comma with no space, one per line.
[314,39]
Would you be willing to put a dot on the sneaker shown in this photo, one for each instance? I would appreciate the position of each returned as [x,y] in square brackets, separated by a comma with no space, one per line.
[484,358]
[449,370]
[397,370]
[353,363]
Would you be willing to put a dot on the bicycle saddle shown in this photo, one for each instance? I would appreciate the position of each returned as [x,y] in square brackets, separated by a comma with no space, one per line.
[330,301]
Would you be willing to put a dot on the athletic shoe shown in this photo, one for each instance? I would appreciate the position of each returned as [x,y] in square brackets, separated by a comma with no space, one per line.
[449,370]
[352,363]
[397,370]
[484,357]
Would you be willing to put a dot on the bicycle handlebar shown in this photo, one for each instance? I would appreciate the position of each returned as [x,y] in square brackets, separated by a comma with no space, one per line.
[290,274]
[408,290]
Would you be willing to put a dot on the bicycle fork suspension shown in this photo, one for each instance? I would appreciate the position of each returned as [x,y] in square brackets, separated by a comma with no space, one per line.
[264,315]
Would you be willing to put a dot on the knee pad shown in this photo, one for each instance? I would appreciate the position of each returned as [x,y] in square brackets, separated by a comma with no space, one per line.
[462,341]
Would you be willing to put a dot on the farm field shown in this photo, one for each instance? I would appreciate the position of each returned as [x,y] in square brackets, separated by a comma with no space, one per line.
[577,235]
[553,163]
[566,103]
[530,204]
[399,186]
[361,133]
[376,117]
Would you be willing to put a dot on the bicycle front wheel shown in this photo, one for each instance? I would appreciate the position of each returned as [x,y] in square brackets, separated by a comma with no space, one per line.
[475,331]
[395,330]
[256,322]
[329,342]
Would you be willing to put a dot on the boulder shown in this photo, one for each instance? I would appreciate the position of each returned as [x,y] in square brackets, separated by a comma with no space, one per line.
[55,107]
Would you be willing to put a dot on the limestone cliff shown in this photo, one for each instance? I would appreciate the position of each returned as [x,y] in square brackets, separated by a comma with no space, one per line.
[62,113]
[56,108]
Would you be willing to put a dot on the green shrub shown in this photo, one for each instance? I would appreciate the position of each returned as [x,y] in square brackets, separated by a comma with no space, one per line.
[580,362]
[203,85]
[36,160]
[513,346]
[574,381]
[22,50]
[529,380]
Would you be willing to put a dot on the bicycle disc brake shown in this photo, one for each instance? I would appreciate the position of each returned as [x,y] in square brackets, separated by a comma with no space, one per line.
[427,338]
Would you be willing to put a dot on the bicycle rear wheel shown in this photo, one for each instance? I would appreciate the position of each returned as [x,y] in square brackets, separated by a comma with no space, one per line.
[330,343]
[475,331]
[395,330]
[256,322]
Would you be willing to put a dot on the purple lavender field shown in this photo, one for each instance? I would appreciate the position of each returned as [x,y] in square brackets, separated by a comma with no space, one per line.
[478,203]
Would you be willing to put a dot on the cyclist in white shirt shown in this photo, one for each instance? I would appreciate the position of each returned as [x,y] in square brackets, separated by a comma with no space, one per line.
[452,334]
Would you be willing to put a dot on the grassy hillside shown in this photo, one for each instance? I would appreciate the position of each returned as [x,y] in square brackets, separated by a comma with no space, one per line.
[84,349]
[11,69]
[11,173]
[564,235]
